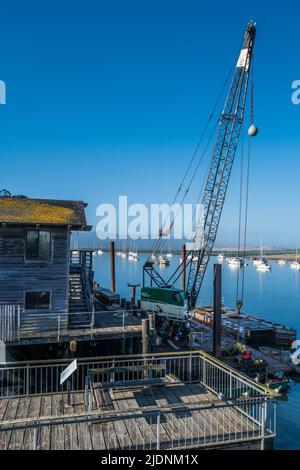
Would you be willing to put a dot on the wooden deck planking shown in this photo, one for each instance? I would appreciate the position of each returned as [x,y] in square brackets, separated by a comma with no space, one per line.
[228,426]
[45,432]
[149,429]
[191,421]
[18,436]
[10,413]
[3,407]
[126,400]
[177,429]
[78,407]
[123,427]
[57,432]
[172,431]
[210,420]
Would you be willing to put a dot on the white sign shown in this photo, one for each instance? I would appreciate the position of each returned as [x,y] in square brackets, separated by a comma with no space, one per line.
[243,59]
[68,371]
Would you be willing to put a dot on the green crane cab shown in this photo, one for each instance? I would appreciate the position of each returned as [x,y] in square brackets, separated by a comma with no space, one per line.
[166,302]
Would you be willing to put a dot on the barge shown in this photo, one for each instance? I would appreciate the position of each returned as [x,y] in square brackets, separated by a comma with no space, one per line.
[250,328]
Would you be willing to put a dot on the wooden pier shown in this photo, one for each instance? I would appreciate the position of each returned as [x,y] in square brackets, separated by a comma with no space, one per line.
[182,401]
[54,328]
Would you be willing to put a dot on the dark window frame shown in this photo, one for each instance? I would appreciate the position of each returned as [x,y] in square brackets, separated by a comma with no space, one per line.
[176,297]
[38,258]
[38,306]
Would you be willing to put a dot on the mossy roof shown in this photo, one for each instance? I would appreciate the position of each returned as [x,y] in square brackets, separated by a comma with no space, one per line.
[22,210]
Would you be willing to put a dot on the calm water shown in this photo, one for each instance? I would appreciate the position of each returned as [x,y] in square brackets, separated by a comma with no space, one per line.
[273,295]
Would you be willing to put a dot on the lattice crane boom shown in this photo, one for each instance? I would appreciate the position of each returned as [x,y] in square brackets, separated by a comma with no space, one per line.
[230,123]
[224,150]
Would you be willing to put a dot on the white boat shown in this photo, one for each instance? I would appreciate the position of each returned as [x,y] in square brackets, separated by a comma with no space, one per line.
[263,266]
[261,260]
[281,261]
[99,252]
[133,256]
[236,262]
[169,255]
[132,253]
[295,265]
[163,261]
[221,256]
[194,258]
[153,257]
[258,261]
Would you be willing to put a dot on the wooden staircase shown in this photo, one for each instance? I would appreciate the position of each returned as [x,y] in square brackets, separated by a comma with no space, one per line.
[78,302]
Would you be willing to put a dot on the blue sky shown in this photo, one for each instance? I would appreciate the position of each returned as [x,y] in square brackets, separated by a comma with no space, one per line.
[108,98]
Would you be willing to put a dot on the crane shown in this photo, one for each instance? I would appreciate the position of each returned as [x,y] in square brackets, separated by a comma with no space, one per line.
[162,296]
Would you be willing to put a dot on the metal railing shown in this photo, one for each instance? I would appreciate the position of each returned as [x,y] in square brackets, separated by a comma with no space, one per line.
[186,426]
[238,410]
[17,325]
[34,378]
[9,322]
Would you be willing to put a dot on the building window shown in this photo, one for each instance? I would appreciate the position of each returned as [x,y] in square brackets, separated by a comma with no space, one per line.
[37,300]
[38,245]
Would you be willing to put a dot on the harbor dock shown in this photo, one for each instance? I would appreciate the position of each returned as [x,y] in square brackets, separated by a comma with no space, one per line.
[249,328]
[52,328]
[158,401]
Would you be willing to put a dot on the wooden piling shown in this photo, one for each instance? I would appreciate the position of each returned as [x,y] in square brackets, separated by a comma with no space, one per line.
[217,310]
[145,335]
[112,267]
[151,317]
[152,333]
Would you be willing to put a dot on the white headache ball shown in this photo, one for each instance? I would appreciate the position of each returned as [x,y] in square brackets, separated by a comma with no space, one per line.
[253,130]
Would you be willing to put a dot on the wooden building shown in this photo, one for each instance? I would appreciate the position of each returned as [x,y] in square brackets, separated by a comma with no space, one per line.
[35,252]
[46,289]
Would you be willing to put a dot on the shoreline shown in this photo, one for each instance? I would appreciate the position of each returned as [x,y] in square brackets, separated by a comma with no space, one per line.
[274,254]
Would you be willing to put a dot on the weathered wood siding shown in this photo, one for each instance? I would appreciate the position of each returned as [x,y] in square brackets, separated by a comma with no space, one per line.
[17,275]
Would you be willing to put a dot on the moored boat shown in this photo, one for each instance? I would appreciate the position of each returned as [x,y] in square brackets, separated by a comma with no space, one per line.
[236,262]
[163,261]
[275,380]
[295,265]
[263,266]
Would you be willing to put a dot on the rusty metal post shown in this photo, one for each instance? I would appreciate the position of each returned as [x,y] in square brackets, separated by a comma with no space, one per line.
[217,310]
[133,292]
[183,255]
[112,267]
